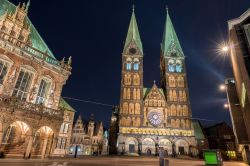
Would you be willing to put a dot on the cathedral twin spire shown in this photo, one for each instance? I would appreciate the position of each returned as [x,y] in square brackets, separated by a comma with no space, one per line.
[170,42]
[133,34]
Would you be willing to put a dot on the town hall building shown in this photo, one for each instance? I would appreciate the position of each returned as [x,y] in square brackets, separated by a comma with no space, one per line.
[159,117]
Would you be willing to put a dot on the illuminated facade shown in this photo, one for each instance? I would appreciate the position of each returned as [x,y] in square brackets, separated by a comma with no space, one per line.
[87,138]
[153,118]
[34,120]
[238,88]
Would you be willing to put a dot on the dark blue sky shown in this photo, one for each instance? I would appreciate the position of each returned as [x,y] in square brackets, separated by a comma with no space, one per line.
[93,33]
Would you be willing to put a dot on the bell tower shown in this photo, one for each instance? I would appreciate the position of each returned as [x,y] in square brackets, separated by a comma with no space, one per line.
[131,98]
[174,78]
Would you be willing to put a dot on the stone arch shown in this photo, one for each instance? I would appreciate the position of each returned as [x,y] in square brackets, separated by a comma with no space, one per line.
[147,144]
[131,108]
[43,142]
[173,110]
[180,95]
[16,137]
[134,94]
[166,145]
[131,145]
[125,108]
[182,146]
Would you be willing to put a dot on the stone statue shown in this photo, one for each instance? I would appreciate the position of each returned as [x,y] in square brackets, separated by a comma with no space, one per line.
[70,61]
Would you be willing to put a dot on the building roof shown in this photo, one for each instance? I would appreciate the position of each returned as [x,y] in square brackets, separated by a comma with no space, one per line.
[63,104]
[233,22]
[133,34]
[198,132]
[147,90]
[170,41]
[37,41]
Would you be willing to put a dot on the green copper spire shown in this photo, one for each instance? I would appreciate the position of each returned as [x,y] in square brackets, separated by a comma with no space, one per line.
[133,34]
[170,43]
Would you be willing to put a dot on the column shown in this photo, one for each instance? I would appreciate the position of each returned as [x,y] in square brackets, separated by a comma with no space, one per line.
[44,147]
[29,147]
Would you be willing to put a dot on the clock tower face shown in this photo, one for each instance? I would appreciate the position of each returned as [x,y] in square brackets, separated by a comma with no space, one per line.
[155,117]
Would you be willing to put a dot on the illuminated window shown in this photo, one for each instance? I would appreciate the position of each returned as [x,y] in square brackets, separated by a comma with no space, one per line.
[43,89]
[171,67]
[136,66]
[128,66]
[22,85]
[3,71]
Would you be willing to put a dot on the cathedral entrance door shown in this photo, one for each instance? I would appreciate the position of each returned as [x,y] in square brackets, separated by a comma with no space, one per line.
[181,150]
[148,152]
[131,148]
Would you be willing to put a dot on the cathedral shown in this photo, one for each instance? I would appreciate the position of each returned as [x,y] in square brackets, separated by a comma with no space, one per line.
[156,118]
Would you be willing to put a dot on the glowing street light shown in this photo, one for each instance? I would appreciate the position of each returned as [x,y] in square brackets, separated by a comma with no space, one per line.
[222,87]
[226,106]
[225,49]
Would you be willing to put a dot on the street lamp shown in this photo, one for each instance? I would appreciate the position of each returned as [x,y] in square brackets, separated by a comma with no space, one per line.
[226,106]
[222,87]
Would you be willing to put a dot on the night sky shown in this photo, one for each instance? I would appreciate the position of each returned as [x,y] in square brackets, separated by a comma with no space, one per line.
[93,33]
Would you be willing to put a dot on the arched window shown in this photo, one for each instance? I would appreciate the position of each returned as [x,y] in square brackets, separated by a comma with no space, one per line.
[173,123]
[171,81]
[180,96]
[183,124]
[171,66]
[136,79]
[171,95]
[128,93]
[125,108]
[128,66]
[136,66]
[177,123]
[127,79]
[131,108]
[124,93]
[174,95]
[178,68]
[179,110]
[188,124]
[180,81]
[184,95]
[138,94]
[137,108]
[185,110]
[134,94]
[173,110]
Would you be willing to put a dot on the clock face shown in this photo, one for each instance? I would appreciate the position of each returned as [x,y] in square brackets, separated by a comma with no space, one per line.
[155,117]
[132,50]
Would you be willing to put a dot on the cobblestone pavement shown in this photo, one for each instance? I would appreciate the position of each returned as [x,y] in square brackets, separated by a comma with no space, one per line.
[106,161]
